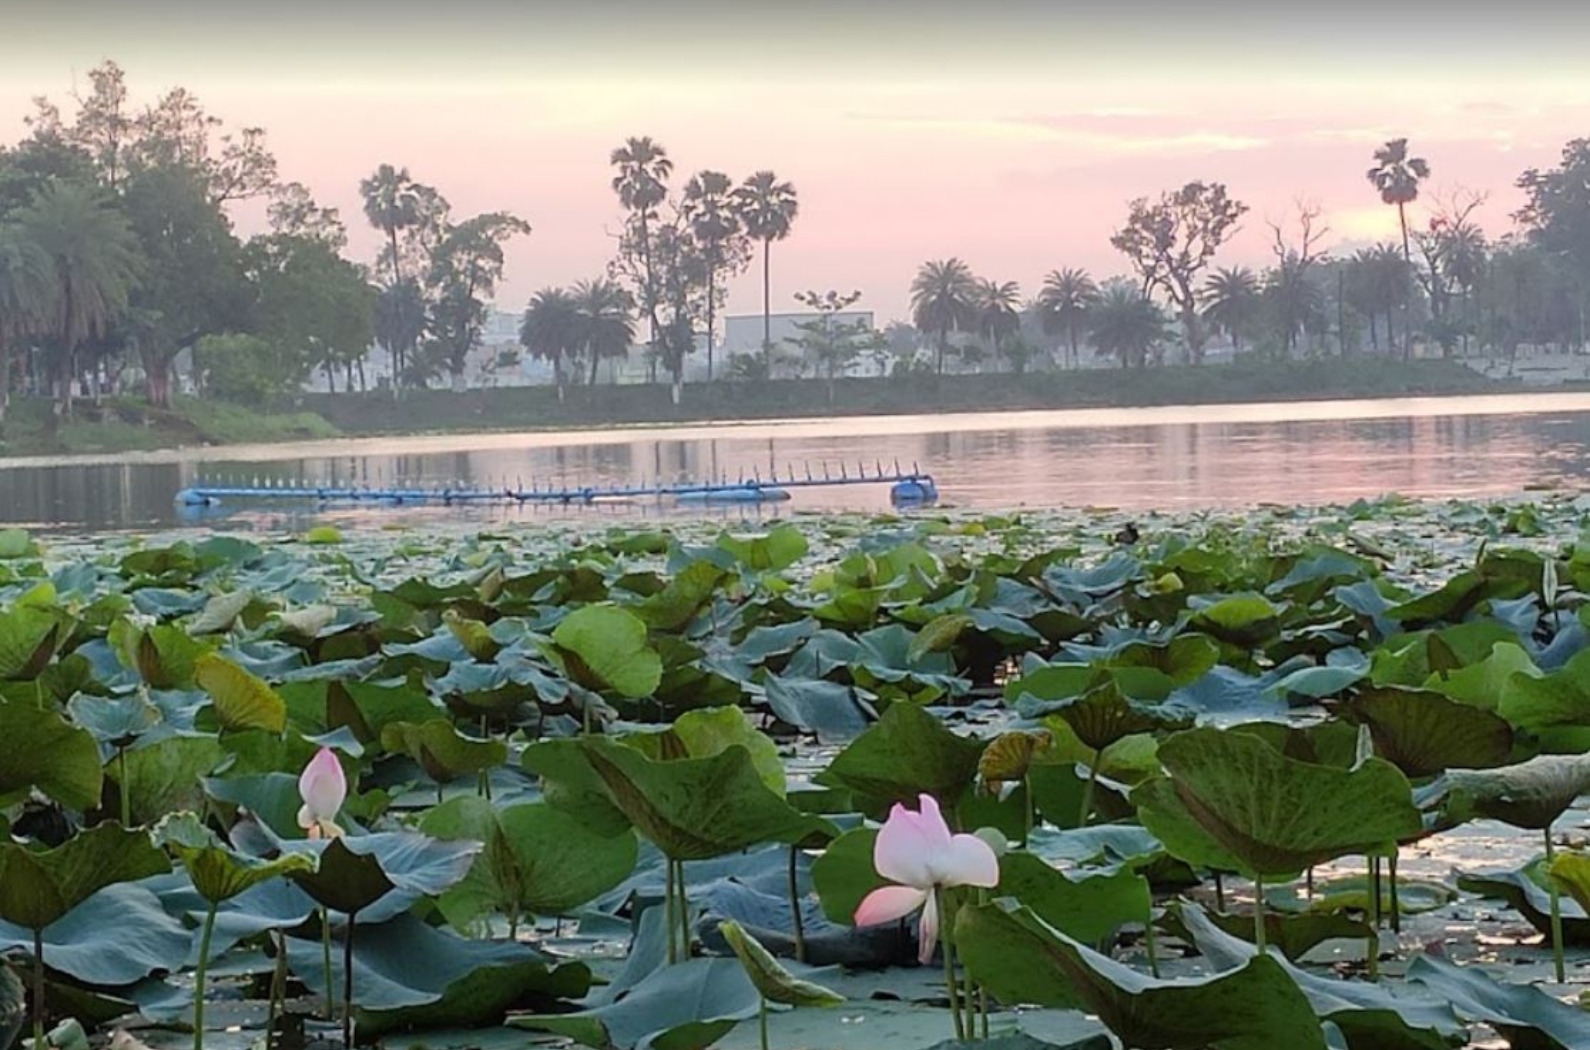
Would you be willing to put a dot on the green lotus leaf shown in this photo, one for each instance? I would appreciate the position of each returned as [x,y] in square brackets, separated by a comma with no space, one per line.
[1571,872]
[604,647]
[844,874]
[772,551]
[39,749]
[1274,815]
[908,752]
[441,752]
[772,980]
[474,636]
[1105,715]
[696,808]
[938,635]
[710,731]
[1086,906]
[1548,702]
[1423,733]
[241,700]
[114,720]
[165,656]
[28,638]
[168,774]
[1525,1016]
[43,885]
[1241,619]
[690,590]
[1531,794]
[537,859]
[1525,891]
[1020,959]
[221,612]
[219,873]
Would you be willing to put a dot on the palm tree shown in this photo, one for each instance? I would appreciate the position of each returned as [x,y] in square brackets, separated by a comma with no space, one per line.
[1063,305]
[944,300]
[1397,176]
[27,297]
[606,317]
[1231,301]
[998,311]
[392,203]
[94,263]
[641,176]
[1125,323]
[768,208]
[551,329]
[710,208]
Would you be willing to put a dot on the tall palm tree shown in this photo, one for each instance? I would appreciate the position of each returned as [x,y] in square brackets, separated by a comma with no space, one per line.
[392,204]
[27,296]
[640,178]
[1126,324]
[606,318]
[94,264]
[551,329]
[1063,305]
[768,208]
[1231,298]
[710,208]
[400,324]
[944,300]
[1396,176]
[998,311]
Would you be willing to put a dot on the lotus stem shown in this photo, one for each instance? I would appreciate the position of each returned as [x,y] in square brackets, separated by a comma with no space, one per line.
[1258,913]
[761,1019]
[325,960]
[795,905]
[1556,914]
[942,902]
[669,904]
[347,984]
[38,989]
[982,1007]
[1220,892]
[278,988]
[1087,792]
[684,912]
[1026,789]
[1372,945]
[1151,943]
[199,973]
[1391,877]
[126,789]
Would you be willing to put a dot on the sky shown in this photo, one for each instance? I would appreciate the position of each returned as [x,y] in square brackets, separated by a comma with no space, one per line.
[1010,133]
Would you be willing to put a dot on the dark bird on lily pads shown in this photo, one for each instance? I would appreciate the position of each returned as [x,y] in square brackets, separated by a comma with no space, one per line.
[1128,534]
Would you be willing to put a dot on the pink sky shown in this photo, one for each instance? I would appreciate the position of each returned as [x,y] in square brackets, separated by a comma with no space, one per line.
[1014,149]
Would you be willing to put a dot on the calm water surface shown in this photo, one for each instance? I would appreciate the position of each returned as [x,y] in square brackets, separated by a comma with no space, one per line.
[1167,458]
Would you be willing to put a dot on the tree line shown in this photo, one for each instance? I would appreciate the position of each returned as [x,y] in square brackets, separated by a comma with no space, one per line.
[1444,283]
[119,256]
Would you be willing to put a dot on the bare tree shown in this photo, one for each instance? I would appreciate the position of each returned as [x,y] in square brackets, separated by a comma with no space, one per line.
[1170,242]
[1289,289]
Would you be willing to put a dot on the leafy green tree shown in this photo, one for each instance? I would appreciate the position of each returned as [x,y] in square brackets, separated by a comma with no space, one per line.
[712,213]
[94,264]
[768,208]
[245,369]
[606,318]
[1171,242]
[400,320]
[1063,305]
[392,204]
[833,344]
[551,330]
[1557,212]
[944,300]
[464,273]
[998,311]
[294,212]
[1231,302]
[314,307]
[1126,324]
[192,285]
[27,297]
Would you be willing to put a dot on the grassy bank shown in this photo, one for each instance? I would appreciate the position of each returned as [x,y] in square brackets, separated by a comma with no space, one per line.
[129,425]
[126,424]
[520,408]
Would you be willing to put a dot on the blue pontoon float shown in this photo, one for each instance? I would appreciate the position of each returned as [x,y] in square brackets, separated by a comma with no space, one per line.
[906,488]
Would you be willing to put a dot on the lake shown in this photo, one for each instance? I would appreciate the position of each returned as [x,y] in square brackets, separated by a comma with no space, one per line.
[1170,458]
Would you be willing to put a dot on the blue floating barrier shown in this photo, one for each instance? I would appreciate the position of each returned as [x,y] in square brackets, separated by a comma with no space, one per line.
[915,490]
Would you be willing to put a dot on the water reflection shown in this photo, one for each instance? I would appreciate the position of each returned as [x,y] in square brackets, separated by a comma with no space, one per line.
[1225,459]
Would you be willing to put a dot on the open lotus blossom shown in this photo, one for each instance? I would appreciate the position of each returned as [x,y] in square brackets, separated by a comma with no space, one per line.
[323,788]
[916,850]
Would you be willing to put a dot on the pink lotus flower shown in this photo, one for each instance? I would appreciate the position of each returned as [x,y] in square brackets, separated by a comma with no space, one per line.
[323,789]
[916,850]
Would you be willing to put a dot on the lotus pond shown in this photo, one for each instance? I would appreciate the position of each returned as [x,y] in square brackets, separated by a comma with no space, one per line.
[1289,778]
